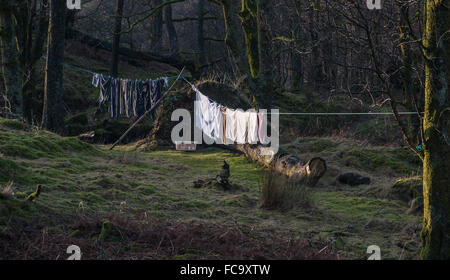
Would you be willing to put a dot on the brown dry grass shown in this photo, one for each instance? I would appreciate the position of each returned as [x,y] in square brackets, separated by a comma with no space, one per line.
[150,239]
[278,192]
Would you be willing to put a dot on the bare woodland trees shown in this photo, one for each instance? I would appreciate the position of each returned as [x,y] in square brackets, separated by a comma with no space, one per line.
[24,25]
[398,55]
[174,49]
[54,109]
[157,29]
[256,63]
[10,58]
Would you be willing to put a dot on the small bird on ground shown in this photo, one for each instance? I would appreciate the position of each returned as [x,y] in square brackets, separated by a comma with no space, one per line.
[222,178]
[34,195]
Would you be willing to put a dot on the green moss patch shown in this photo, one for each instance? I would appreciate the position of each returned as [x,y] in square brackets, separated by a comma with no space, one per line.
[379,158]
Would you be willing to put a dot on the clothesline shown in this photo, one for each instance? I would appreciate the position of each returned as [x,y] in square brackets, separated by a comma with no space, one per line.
[148,111]
[345,114]
[299,114]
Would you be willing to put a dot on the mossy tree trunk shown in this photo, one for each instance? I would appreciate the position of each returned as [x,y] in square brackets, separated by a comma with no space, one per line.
[249,18]
[256,63]
[232,34]
[256,20]
[54,112]
[10,58]
[436,165]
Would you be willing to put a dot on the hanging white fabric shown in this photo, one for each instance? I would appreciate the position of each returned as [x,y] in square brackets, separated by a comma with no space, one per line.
[230,129]
[252,135]
[208,116]
[241,126]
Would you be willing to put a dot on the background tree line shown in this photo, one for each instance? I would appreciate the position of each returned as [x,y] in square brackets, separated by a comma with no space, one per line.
[397,56]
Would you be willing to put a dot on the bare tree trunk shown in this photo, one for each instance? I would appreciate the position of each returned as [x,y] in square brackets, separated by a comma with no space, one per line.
[8,49]
[54,111]
[200,33]
[157,29]
[116,41]
[34,47]
[265,49]
[436,165]
[296,62]
[406,56]
[315,72]
[174,49]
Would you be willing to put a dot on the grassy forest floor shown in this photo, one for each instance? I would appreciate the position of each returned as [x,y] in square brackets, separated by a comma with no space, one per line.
[149,209]
[127,204]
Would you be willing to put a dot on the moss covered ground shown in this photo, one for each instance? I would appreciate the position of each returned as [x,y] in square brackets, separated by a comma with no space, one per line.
[145,202]
[81,180]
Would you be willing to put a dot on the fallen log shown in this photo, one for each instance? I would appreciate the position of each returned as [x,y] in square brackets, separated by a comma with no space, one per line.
[308,172]
[305,172]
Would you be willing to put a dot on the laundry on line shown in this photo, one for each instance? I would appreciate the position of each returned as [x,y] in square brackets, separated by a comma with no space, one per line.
[125,97]
[228,126]
[301,114]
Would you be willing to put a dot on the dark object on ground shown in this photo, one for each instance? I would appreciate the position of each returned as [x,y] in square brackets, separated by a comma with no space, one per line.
[353,179]
[216,183]
[223,182]
[34,195]
[199,184]
[222,178]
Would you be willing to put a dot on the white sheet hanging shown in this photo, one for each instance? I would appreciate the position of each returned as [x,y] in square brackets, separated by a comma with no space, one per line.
[253,125]
[241,126]
[208,116]
[230,129]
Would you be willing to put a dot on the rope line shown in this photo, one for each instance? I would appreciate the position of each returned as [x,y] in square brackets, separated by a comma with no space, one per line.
[346,114]
[298,114]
